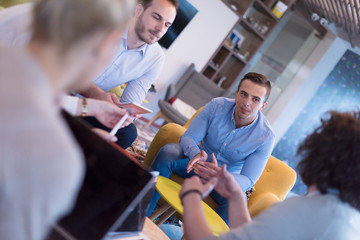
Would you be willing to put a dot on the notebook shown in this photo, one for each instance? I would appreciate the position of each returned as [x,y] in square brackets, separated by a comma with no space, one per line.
[115,195]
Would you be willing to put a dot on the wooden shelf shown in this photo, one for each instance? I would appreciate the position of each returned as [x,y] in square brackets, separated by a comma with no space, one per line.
[249,27]
[255,24]
[265,10]
[232,9]
[269,3]
[240,5]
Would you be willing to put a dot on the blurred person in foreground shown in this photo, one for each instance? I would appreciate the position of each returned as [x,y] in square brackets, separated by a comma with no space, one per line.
[329,166]
[16,31]
[41,163]
[138,60]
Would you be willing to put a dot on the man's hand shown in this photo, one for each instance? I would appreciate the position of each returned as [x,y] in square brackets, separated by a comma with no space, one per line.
[207,170]
[94,91]
[195,183]
[201,156]
[109,97]
[226,185]
[107,113]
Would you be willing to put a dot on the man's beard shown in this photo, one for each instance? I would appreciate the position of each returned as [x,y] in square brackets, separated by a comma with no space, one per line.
[140,31]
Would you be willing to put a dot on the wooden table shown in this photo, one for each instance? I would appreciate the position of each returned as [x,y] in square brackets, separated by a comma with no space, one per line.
[150,232]
[153,232]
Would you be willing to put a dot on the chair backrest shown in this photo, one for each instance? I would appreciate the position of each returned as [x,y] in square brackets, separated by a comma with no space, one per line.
[195,89]
[274,184]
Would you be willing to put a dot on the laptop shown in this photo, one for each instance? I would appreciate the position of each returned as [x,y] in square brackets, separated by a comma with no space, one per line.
[115,195]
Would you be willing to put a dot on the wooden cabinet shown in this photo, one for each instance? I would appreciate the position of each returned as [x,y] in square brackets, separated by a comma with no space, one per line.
[256,21]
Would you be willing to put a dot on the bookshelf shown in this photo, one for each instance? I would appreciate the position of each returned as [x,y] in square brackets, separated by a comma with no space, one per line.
[257,18]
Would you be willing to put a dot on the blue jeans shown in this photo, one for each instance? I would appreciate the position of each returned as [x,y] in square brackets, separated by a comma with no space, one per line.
[126,136]
[171,159]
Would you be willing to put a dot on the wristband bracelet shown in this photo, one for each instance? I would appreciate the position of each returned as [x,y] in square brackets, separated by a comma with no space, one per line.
[84,108]
[188,192]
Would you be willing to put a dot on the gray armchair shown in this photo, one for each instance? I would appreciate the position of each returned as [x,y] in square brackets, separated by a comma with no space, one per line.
[194,89]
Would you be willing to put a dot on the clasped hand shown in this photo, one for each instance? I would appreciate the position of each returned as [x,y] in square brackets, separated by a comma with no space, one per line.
[206,170]
[212,177]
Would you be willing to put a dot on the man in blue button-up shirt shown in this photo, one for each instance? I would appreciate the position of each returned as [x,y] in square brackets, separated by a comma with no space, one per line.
[233,130]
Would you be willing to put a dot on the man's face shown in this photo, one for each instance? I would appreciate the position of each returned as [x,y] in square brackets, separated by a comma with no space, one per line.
[153,22]
[249,99]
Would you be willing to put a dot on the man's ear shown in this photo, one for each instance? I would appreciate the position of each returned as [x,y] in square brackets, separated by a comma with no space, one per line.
[264,105]
[139,9]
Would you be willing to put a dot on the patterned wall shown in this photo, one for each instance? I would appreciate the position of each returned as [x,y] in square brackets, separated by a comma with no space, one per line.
[339,91]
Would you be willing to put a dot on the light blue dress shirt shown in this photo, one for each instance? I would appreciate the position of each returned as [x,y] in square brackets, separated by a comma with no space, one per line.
[244,150]
[138,67]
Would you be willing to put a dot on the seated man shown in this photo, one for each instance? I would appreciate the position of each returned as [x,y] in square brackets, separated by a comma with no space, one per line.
[232,130]
[331,209]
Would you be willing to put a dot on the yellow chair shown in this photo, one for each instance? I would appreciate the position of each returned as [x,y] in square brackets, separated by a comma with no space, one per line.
[273,185]
[9,3]
[169,190]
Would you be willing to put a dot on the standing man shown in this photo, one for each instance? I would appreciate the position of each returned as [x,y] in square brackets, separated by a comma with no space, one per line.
[232,130]
[138,62]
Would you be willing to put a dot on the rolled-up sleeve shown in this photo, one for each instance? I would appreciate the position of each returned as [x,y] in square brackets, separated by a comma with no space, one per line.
[254,165]
[136,90]
[196,131]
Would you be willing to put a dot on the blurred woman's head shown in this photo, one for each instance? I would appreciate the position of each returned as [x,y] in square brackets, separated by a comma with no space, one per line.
[330,156]
[81,32]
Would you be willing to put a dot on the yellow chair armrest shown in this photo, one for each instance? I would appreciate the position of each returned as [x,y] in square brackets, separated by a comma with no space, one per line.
[170,133]
[261,202]
[9,3]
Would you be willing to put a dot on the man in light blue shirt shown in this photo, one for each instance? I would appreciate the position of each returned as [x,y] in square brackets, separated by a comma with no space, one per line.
[138,67]
[139,59]
[138,62]
[234,130]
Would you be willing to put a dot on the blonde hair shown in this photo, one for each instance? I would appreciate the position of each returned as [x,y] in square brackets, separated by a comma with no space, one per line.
[64,22]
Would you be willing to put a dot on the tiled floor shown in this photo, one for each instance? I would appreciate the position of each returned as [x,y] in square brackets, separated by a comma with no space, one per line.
[145,134]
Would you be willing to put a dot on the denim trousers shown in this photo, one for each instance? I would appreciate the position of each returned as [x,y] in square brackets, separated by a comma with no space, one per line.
[126,136]
[171,159]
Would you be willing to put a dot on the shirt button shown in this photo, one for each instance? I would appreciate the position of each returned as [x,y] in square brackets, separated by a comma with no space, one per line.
[224,144]
[234,131]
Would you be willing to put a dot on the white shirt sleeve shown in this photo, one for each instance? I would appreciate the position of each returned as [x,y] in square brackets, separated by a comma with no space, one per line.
[70,104]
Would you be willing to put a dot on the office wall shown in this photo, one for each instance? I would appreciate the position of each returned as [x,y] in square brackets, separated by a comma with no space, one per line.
[196,43]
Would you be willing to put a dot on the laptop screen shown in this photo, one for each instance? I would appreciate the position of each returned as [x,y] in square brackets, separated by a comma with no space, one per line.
[113,186]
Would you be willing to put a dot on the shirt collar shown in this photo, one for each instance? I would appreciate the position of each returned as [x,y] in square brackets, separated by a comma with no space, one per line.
[141,49]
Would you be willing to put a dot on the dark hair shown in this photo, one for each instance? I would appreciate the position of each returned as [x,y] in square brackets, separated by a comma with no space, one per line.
[258,79]
[330,156]
[147,3]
